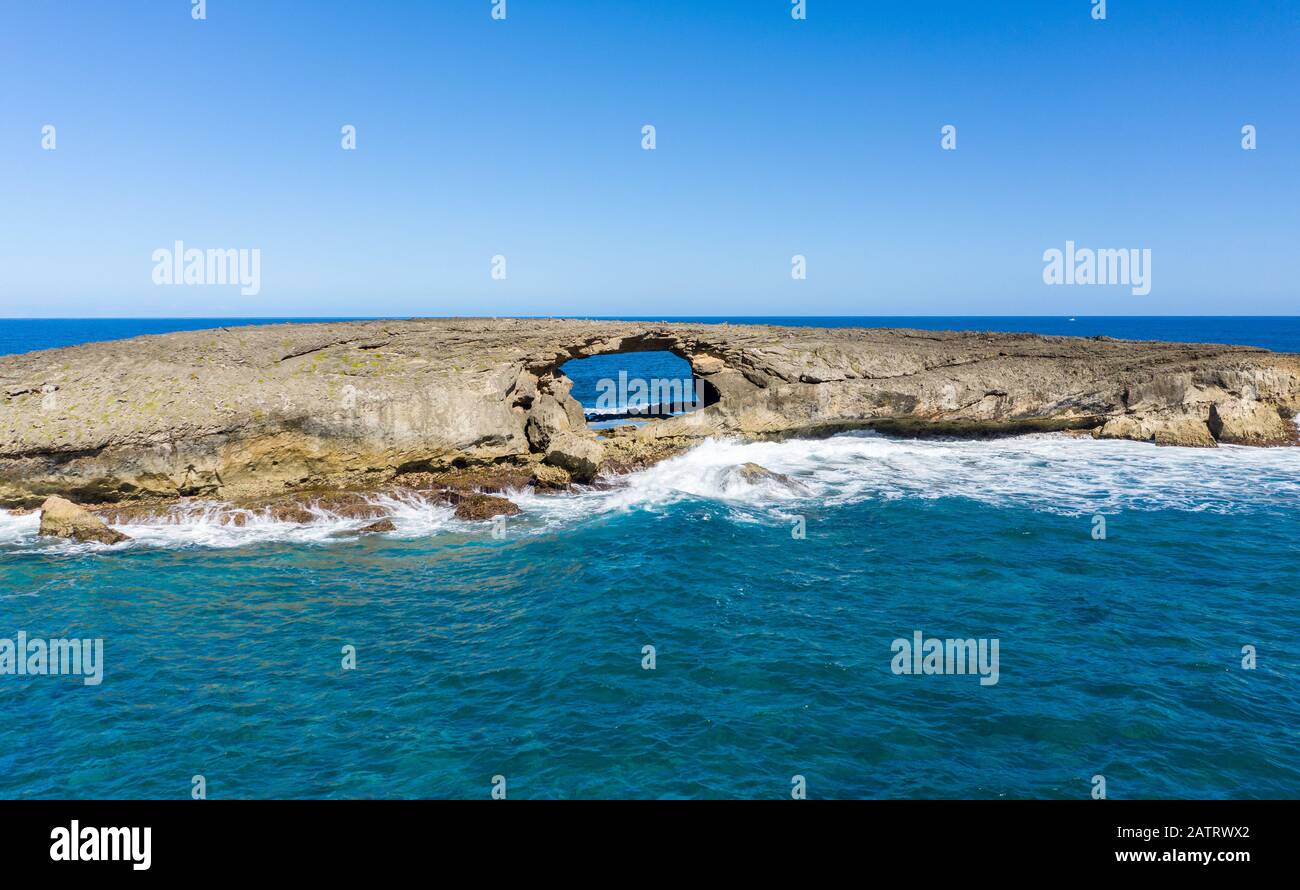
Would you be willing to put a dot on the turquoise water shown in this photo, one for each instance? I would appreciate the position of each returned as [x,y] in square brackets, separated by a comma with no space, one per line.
[520,655]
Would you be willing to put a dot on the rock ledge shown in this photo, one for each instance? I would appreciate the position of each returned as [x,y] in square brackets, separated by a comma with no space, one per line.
[264,411]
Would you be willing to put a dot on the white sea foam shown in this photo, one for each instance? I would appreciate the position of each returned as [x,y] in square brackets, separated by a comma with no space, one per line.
[212,525]
[1052,472]
[15,529]
[1049,472]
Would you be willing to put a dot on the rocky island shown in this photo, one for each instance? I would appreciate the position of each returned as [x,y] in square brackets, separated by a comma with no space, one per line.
[261,414]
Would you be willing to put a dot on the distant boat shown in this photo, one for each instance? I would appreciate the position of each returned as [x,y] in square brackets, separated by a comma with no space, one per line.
[1072,319]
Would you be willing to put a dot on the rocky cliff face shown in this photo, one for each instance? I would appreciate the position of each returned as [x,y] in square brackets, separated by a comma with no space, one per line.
[257,411]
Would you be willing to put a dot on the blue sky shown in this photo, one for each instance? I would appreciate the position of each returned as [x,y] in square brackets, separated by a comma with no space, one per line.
[522,138]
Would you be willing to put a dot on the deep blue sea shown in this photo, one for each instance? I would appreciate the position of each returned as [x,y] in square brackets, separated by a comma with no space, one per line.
[521,655]
[1279,333]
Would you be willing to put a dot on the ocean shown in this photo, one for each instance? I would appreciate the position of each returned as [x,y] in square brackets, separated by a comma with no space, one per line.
[773,611]
[1279,333]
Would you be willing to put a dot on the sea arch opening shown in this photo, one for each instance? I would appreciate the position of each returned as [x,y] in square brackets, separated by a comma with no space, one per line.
[636,386]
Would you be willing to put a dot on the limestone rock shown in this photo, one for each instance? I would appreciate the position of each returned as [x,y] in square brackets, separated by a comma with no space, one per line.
[483,506]
[756,474]
[61,518]
[578,455]
[1187,432]
[1177,430]
[549,477]
[491,478]
[269,410]
[547,420]
[1241,422]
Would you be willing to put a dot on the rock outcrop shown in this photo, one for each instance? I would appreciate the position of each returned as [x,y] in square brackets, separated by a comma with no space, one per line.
[755,474]
[262,411]
[60,518]
[578,455]
[483,506]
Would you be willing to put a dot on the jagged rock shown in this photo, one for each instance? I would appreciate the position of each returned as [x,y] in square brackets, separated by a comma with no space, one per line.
[261,411]
[1241,422]
[61,518]
[1187,433]
[752,472]
[140,512]
[492,478]
[629,453]
[374,528]
[707,364]
[548,419]
[755,474]
[306,508]
[1179,430]
[483,506]
[578,455]
[547,476]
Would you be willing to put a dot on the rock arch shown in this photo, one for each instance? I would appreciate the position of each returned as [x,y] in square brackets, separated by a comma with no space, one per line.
[709,363]
[556,425]
[258,410]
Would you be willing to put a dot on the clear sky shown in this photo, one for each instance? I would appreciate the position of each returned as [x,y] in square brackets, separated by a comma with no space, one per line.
[523,138]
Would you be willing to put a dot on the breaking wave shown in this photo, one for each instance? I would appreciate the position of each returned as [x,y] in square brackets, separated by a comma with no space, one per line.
[1051,472]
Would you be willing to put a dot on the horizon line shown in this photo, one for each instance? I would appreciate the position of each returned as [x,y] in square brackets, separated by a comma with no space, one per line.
[414,317]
